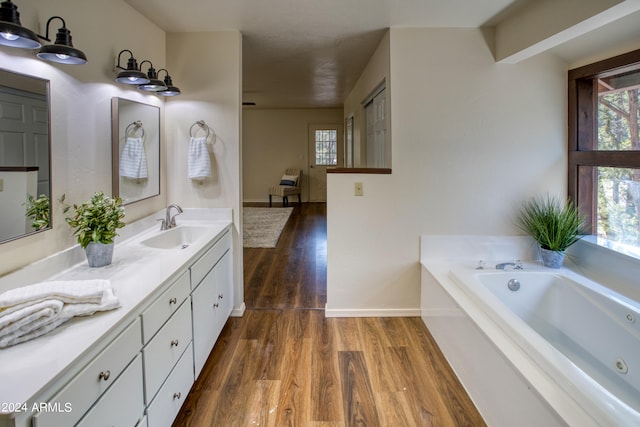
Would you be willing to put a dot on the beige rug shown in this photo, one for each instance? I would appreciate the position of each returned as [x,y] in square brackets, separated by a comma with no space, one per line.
[262,226]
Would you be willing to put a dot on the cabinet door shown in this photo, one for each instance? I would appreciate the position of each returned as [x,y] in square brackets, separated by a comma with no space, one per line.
[225,289]
[212,302]
[122,404]
[205,328]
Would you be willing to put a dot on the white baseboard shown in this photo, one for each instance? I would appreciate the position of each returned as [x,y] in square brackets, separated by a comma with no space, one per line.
[371,312]
[238,311]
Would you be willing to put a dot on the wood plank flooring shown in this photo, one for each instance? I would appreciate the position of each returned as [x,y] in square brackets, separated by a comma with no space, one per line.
[285,364]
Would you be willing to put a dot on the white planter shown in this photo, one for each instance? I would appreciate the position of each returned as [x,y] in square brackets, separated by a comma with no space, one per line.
[99,254]
[552,259]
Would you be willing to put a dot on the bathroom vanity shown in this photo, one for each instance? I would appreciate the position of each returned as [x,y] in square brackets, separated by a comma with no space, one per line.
[135,365]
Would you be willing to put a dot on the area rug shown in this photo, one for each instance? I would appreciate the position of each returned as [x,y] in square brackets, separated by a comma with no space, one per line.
[262,226]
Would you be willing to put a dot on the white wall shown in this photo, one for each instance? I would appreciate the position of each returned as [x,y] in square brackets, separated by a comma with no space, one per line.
[471,140]
[81,107]
[274,140]
[211,86]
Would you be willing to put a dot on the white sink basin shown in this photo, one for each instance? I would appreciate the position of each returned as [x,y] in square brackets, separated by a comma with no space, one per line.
[176,238]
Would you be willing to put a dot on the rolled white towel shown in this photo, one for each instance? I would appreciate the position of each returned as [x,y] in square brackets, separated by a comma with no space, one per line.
[71,291]
[31,311]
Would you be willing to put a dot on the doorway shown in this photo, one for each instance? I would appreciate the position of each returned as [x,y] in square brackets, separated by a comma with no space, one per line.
[325,150]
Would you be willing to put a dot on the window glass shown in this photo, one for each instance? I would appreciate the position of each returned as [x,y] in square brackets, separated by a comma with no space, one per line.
[618,118]
[326,147]
[618,204]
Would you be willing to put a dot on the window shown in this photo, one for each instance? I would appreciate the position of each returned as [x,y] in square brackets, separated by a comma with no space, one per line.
[604,147]
[326,147]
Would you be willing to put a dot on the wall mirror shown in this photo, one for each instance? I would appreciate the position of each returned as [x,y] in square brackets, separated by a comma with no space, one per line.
[135,134]
[25,147]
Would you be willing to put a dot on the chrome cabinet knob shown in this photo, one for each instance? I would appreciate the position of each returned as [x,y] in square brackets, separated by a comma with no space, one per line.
[173,301]
[174,343]
[104,375]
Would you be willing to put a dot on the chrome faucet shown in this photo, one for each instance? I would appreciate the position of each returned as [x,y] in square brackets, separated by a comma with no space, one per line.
[517,265]
[170,221]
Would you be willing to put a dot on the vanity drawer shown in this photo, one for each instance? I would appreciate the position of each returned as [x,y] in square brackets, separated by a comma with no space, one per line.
[164,350]
[158,313]
[164,408]
[201,267]
[86,387]
[122,404]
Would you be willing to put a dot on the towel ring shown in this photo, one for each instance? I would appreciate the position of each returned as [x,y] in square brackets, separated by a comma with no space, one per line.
[202,125]
[137,125]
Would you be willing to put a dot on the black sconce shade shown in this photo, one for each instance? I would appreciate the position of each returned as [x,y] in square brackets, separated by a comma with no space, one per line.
[132,74]
[153,85]
[12,33]
[171,90]
[62,51]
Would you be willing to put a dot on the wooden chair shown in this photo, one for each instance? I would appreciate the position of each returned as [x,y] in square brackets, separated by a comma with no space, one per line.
[289,186]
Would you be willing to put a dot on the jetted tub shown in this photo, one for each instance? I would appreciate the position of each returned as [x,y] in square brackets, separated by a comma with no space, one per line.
[584,335]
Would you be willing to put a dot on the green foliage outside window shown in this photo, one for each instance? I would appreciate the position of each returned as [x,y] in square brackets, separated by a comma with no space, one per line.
[619,188]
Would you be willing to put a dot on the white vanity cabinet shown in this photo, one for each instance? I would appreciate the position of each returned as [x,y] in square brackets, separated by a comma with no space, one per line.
[134,366]
[211,299]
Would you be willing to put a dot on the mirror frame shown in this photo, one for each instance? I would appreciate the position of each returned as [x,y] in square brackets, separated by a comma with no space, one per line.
[47,93]
[115,149]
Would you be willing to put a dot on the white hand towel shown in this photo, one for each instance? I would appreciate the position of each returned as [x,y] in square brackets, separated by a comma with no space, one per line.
[31,311]
[133,160]
[199,161]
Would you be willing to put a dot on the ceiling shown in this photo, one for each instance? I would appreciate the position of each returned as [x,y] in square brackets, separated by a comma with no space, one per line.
[309,53]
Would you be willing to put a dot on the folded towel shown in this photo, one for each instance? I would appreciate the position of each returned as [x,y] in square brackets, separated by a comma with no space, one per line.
[133,160]
[199,161]
[31,311]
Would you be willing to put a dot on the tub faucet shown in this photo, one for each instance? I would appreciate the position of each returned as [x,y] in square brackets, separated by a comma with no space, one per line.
[517,265]
[170,221]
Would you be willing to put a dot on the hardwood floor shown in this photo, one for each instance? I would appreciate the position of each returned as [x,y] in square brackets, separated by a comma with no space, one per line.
[285,364]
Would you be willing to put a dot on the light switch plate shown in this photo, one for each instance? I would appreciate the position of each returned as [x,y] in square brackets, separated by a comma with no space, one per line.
[358,189]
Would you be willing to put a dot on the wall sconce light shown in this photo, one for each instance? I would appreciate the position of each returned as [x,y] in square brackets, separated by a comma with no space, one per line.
[171,90]
[132,74]
[12,33]
[62,51]
[154,84]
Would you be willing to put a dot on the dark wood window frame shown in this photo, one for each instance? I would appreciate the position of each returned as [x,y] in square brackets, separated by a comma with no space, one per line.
[582,127]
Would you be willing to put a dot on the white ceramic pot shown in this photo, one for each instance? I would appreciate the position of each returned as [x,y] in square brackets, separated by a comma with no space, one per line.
[99,254]
[552,259]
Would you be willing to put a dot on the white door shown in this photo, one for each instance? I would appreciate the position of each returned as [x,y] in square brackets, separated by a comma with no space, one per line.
[24,133]
[325,142]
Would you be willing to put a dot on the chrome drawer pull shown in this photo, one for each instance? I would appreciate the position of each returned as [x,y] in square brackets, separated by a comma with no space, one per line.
[173,301]
[174,343]
[216,305]
[177,395]
[220,296]
[104,375]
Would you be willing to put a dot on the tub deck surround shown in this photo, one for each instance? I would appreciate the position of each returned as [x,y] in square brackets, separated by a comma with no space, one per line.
[453,292]
[137,274]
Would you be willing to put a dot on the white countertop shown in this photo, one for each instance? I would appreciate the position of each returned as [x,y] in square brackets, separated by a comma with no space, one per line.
[137,272]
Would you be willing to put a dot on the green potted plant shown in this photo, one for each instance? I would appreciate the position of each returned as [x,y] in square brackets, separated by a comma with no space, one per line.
[95,223]
[553,224]
[38,211]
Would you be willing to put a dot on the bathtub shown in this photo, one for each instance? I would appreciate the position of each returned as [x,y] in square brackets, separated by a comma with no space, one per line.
[583,335]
